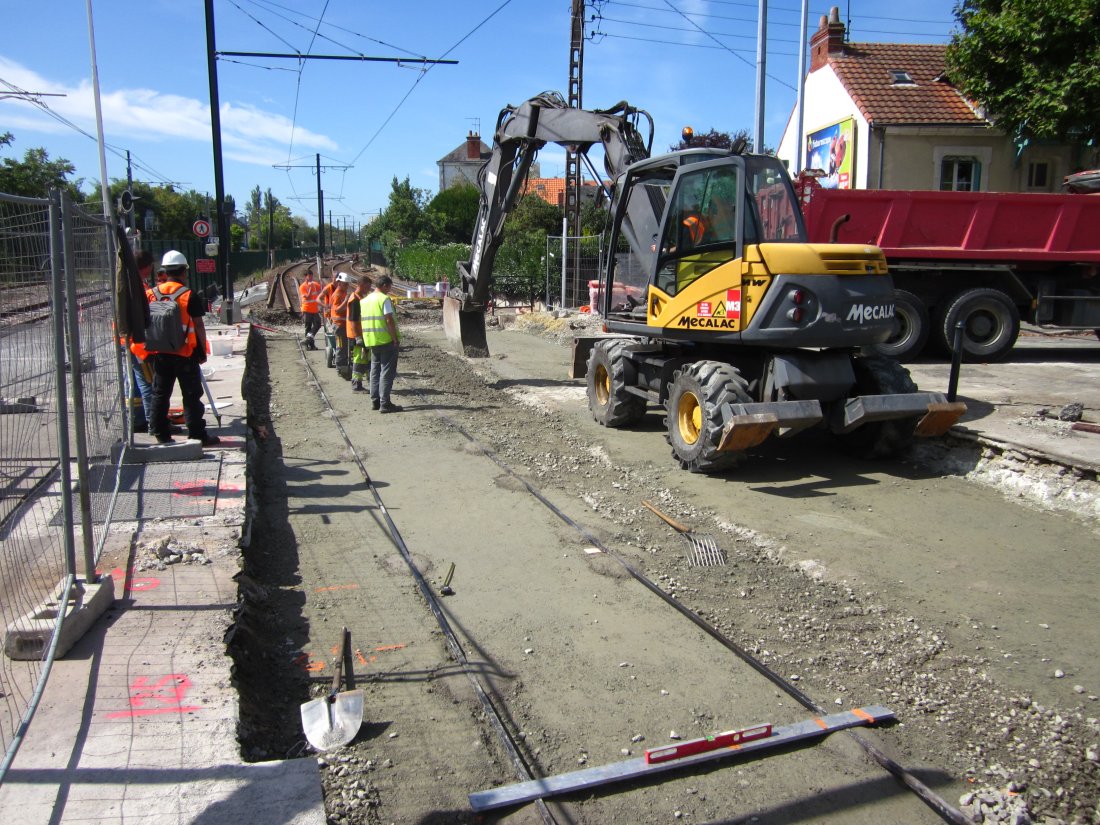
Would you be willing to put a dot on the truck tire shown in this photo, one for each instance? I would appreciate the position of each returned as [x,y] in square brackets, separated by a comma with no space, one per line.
[694,421]
[878,375]
[609,374]
[991,324]
[913,329]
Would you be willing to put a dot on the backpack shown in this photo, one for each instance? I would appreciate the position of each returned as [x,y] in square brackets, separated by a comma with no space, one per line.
[165,332]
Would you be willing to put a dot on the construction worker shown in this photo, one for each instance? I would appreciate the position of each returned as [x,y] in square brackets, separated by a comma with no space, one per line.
[381,337]
[308,292]
[338,316]
[180,364]
[360,355]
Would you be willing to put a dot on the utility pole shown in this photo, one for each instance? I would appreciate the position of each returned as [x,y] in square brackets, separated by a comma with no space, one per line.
[220,268]
[572,223]
[270,231]
[320,205]
[761,71]
[130,189]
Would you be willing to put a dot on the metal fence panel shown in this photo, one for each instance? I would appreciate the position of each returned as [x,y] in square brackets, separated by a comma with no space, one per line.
[61,413]
[574,287]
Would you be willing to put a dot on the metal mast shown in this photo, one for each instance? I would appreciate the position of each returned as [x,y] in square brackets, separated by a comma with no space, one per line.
[572,159]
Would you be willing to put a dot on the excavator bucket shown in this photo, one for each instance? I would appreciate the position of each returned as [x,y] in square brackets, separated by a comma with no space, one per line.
[465,328]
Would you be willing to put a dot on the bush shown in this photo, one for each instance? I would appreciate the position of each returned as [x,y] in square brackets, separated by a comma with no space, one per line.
[427,263]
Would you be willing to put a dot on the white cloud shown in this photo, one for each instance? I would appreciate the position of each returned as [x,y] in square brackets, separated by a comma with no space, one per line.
[251,134]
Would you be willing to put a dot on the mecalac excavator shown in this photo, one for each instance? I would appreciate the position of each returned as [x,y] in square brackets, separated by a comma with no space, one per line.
[715,307]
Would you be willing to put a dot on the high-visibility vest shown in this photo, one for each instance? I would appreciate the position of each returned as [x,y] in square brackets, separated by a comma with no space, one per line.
[355,299]
[695,228]
[191,338]
[373,319]
[339,309]
[309,292]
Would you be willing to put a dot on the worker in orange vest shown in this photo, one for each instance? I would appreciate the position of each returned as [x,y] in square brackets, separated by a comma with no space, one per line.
[183,363]
[338,315]
[360,355]
[309,292]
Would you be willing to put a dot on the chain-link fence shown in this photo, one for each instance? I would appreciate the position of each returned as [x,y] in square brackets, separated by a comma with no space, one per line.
[61,415]
[572,286]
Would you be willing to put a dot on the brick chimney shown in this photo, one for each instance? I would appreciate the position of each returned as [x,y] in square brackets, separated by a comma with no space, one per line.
[473,146]
[827,41]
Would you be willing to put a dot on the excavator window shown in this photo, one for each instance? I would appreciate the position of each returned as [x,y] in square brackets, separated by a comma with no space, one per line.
[775,214]
[701,228]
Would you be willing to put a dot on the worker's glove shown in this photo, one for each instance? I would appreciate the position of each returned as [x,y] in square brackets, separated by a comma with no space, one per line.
[359,342]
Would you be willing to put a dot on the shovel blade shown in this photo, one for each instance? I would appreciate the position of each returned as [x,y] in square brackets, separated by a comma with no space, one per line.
[331,722]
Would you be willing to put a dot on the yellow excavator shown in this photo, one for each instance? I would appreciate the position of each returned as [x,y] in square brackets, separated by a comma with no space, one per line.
[715,308]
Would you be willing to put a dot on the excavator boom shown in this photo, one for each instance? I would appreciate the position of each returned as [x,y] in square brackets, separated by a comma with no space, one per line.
[520,132]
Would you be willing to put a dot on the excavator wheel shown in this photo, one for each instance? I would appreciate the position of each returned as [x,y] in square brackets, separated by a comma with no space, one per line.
[695,420]
[609,374]
[878,375]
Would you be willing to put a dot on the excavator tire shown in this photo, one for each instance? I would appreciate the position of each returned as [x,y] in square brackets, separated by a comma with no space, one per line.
[878,375]
[695,400]
[609,374]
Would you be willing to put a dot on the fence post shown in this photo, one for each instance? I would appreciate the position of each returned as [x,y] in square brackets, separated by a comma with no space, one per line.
[72,317]
[57,297]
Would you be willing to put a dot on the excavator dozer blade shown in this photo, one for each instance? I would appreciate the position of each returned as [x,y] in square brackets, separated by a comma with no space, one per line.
[465,329]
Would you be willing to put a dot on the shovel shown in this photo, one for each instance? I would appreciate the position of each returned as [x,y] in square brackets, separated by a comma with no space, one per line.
[702,550]
[334,719]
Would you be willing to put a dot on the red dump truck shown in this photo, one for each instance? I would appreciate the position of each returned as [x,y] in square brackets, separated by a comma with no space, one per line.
[987,259]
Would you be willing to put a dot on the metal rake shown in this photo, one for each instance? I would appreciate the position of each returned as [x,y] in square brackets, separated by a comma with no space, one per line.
[701,551]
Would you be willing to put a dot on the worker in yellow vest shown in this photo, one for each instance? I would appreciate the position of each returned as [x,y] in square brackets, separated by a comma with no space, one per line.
[380,336]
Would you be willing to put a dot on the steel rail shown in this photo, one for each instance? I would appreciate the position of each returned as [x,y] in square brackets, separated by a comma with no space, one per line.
[522,769]
[930,798]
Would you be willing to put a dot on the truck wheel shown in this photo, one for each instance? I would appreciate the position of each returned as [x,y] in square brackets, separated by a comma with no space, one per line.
[991,323]
[913,328]
[609,374]
[695,419]
[877,375]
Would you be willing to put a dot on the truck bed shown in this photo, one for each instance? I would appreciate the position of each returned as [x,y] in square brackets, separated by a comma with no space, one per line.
[961,226]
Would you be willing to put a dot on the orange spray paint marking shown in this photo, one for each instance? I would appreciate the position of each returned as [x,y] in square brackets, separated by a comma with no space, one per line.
[167,694]
[194,488]
[136,583]
[336,587]
[360,657]
[386,648]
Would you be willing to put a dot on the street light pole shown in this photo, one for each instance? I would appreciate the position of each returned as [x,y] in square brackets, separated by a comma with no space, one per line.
[220,268]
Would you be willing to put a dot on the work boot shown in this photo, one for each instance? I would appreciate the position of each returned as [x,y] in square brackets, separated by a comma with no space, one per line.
[357,386]
[390,408]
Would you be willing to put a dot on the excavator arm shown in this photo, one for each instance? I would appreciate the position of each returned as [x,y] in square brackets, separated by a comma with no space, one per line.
[520,132]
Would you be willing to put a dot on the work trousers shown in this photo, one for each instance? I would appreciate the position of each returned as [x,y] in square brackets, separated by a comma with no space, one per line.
[141,388]
[341,342]
[383,369]
[167,369]
[312,321]
[360,362]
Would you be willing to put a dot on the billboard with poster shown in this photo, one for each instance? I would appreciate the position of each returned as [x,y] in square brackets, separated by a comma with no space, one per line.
[833,151]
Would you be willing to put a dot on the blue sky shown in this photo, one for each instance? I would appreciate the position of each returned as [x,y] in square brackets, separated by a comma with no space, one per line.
[685,61]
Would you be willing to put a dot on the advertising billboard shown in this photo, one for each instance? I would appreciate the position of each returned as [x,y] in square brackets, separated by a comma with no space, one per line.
[833,151]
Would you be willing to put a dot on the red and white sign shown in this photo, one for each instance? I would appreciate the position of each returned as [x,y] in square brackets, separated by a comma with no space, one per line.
[704,309]
[206,265]
[733,303]
[201,228]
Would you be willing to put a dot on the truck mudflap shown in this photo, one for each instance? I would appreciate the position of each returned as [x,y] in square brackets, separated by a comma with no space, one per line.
[750,424]
[938,414]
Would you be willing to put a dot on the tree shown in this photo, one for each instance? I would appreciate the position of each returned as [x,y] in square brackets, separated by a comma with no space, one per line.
[36,174]
[403,220]
[715,140]
[452,213]
[1034,65]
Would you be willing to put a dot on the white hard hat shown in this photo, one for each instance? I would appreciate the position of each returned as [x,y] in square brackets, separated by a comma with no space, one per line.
[173,260]
[344,278]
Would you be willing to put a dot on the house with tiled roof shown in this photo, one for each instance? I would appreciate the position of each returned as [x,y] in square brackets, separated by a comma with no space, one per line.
[885,116]
[462,163]
[552,190]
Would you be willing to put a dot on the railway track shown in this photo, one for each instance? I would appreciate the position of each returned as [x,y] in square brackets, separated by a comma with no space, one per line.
[501,717]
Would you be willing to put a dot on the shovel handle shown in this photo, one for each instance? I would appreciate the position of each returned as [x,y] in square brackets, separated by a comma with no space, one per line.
[675,525]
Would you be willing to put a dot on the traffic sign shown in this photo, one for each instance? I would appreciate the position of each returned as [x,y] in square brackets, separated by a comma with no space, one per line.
[201,228]
[206,265]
